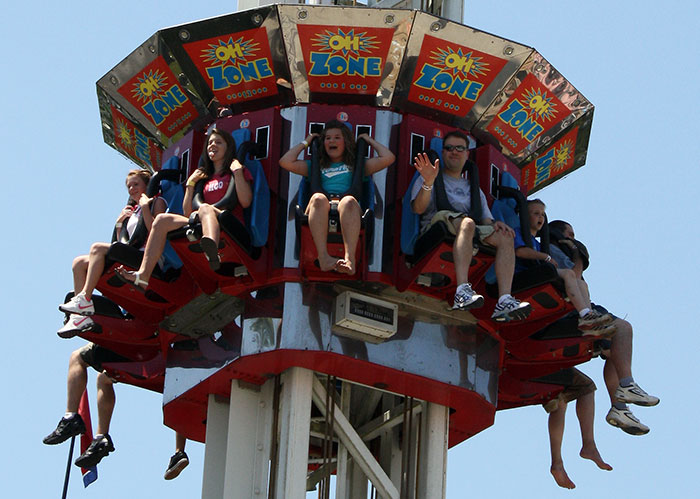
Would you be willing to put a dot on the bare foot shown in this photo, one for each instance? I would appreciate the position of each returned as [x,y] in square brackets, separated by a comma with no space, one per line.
[560,476]
[346,267]
[594,456]
[328,263]
[131,278]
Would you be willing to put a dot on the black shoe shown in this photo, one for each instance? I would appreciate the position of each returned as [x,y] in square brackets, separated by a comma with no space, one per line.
[178,462]
[66,428]
[211,251]
[99,448]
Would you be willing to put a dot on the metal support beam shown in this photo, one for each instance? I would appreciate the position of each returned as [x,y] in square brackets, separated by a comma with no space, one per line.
[388,419]
[215,448]
[432,467]
[389,447]
[341,486]
[248,453]
[355,446]
[294,421]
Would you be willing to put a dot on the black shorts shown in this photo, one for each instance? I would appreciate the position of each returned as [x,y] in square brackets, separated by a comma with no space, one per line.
[605,343]
[95,355]
[576,385]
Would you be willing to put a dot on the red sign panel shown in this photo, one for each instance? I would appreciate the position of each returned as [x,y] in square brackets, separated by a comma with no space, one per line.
[554,162]
[156,93]
[238,67]
[344,59]
[451,77]
[132,142]
[530,111]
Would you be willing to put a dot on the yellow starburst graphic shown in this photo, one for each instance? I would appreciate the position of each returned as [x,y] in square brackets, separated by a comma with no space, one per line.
[540,105]
[345,42]
[150,85]
[459,62]
[124,135]
[563,154]
[230,51]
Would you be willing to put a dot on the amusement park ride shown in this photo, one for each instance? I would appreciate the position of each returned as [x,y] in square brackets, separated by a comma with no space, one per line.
[289,374]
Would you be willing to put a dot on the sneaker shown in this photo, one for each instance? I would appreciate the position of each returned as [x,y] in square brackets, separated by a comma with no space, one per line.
[99,448]
[626,421]
[465,298]
[511,309]
[78,305]
[633,394]
[75,325]
[594,319]
[66,429]
[600,331]
[178,462]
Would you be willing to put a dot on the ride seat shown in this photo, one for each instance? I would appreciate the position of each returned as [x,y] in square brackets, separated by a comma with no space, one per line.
[169,287]
[363,190]
[428,264]
[543,334]
[242,248]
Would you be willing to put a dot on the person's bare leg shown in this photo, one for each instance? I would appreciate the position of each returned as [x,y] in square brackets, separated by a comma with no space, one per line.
[505,260]
[350,224]
[585,411]
[573,291]
[318,224]
[80,269]
[208,216]
[106,400]
[463,248]
[96,265]
[556,435]
[180,442]
[77,380]
[612,380]
[621,349]
[163,223]
[583,290]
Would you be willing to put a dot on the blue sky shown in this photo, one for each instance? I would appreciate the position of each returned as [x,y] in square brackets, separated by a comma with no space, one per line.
[633,204]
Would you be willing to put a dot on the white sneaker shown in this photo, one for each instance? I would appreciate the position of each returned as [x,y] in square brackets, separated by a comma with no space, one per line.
[511,309]
[78,305]
[465,298]
[594,319]
[633,394]
[600,331]
[75,325]
[626,421]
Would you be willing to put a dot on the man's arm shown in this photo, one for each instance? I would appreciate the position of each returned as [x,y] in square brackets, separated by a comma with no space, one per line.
[428,172]
[574,256]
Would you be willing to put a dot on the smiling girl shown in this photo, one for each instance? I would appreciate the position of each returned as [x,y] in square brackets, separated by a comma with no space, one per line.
[336,163]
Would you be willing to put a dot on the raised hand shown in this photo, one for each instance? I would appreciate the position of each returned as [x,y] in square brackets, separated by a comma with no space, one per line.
[426,169]
[236,165]
[196,176]
[144,200]
[125,213]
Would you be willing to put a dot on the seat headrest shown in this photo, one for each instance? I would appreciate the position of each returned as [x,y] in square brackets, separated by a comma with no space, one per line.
[241,135]
[172,164]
